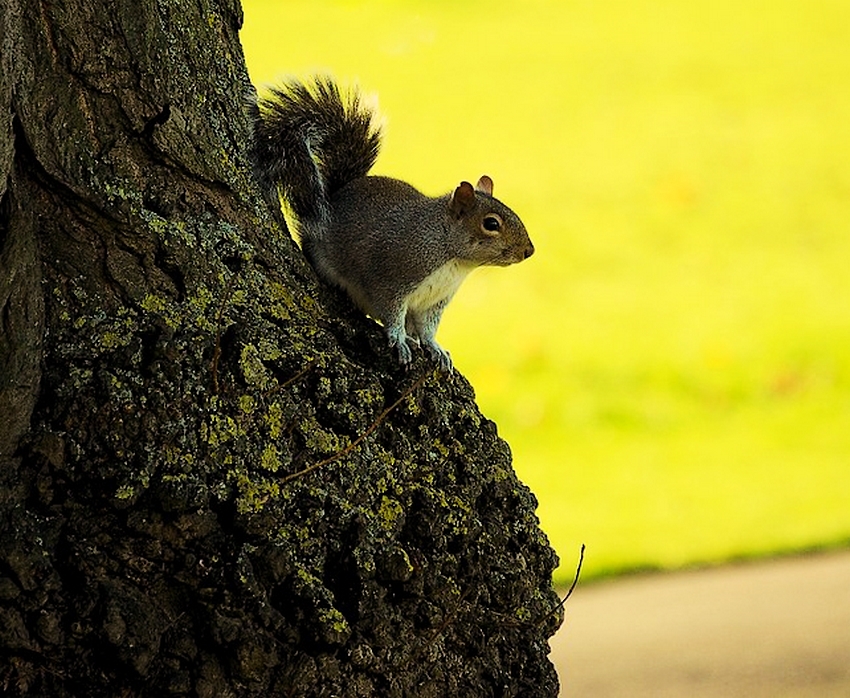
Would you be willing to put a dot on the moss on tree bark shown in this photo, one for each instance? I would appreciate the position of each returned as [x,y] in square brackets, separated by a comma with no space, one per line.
[169,364]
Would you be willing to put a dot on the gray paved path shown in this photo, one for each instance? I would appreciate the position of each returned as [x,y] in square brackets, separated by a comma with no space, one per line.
[777,629]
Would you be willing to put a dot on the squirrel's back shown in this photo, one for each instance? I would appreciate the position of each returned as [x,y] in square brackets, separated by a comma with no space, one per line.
[382,227]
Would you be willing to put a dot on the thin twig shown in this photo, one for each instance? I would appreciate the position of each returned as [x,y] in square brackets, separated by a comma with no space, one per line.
[289,381]
[447,621]
[569,591]
[354,444]
[450,618]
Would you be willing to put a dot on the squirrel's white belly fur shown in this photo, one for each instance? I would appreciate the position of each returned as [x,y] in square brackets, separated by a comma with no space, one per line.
[439,285]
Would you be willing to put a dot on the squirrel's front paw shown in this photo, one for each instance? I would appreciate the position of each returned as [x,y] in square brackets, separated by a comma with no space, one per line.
[405,356]
[401,347]
[440,355]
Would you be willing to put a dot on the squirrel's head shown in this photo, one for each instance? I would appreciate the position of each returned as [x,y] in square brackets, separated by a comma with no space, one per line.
[494,234]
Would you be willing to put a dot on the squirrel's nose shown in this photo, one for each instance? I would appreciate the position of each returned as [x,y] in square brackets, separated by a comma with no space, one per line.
[528,251]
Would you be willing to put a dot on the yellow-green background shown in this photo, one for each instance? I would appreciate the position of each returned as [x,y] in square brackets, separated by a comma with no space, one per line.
[672,368]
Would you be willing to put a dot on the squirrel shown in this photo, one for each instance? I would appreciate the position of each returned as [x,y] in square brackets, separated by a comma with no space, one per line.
[399,254]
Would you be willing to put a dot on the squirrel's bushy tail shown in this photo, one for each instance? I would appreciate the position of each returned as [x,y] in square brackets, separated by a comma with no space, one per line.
[310,140]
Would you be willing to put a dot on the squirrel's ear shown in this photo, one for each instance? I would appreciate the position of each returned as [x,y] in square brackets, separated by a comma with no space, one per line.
[462,198]
[485,185]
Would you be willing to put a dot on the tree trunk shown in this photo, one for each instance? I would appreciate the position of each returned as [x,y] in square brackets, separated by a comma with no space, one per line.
[214,480]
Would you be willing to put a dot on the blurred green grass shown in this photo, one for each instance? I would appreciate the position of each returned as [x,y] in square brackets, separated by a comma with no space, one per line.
[672,368]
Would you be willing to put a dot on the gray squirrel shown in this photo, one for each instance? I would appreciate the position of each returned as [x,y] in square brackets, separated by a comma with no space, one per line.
[399,254]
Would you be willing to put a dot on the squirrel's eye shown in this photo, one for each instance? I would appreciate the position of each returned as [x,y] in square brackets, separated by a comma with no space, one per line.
[491,223]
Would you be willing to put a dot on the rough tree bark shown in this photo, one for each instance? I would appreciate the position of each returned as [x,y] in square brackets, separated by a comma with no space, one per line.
[214,480]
